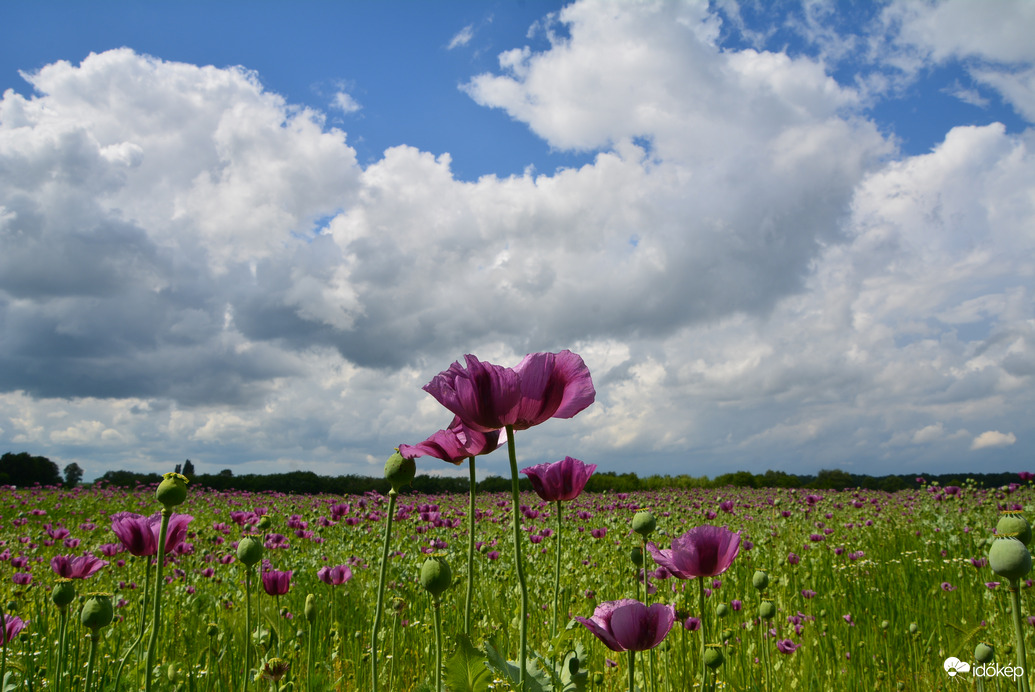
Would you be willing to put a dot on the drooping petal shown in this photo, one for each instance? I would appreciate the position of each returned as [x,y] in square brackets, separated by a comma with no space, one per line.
[639,628]
[553,385]
[175,533]
[601,633]
[455,444]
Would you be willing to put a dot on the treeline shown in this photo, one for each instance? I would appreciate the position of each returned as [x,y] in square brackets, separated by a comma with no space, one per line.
[24,470]
[307,482]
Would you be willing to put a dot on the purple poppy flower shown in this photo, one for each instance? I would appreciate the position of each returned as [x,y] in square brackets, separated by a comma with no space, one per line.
[22,578]
[561,480]
[12,626]
[946,586]
[628,625]
[76,567]
[335,576]
[786,646]
[703,551]
[488,397]
[692,624]
[140,534]
[276,583]
[456,443]
[793,559]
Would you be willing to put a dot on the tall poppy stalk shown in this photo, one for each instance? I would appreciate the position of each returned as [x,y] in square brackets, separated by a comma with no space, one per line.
[171,492]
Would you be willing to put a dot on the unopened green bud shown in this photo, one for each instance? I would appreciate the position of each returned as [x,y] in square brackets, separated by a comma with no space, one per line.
[636,555]
[766,609]
[172,491]
[598,679]
[173,673]
[727,634]
[713,657]
[1012,523]
[213,629]
[435,576]
[264,523]
[573,665]
[249,551]
[984,653]
[913,628]
[722,610]
[1009,558]
[97,611]
[400,471]
[760,580]
[310,608]
[63,592]
[644,523]
[884,624]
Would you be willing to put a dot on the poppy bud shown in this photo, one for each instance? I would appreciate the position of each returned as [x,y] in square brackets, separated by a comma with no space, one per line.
[1012,523]
[264,523]
[1009,558]
[63,592]
[713,657]
[573,665]
[760,580]
[213,629]
[97,611]
[249,551]
[913,628]
[766,609]
[310,608]
[644,523]
[636,555]
[983,653]
[727,634]
[435,576]
[722,610]
[172,491]
[400,471]
[598,679]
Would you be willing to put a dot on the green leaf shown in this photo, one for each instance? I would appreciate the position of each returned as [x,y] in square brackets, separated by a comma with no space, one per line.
[535,679]
[465,670]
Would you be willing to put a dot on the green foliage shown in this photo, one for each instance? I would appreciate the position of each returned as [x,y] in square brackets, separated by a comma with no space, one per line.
[24,470]
[535,679]
[73,474]
[465,670]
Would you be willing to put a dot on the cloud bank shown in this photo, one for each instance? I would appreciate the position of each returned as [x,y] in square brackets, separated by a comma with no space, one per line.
[193,267]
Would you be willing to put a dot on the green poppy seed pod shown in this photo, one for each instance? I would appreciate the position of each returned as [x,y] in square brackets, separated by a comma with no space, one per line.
[722,610]
[760,580]
[727,634]
[249,551]
[213,629]
[310,608]
[435,576]
[644,523]
[1009,558]
[264,523]
[713,657]
[97,611]
[913,628]
[63,592]
[173,673]
[766,609]
[172,491]
[636,555]
[400,471]
[984,653]
[1012,523]
[884,624]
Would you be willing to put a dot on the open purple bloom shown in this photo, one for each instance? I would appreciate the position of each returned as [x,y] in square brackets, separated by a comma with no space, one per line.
[561,480]
[456,443]
[488,397]
[786,646]
[76,567]
[335,576]
[276,583]
[703,551]
[12,626]
[628,625]
[140,534]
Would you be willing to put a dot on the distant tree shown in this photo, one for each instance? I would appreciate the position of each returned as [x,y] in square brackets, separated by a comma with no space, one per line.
[188,469]
[226,473]
[177,468]
[73,474]
[23,470]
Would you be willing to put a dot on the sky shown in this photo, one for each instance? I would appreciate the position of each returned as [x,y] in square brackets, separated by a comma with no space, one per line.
[792,236]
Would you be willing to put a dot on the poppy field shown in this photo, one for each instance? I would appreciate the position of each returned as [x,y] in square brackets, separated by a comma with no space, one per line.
[555,589]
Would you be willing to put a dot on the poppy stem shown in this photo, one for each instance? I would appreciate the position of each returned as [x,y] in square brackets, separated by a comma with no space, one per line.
[516,501]
[248,625]
[156,618]
[557,572]
[632,671]
[436,603]
[704,633]
[61,648]
[392,494]
[94,636]
[1022,662]
[470,551]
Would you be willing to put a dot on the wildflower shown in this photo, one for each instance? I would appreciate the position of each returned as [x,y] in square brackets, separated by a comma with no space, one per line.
[276,583]
[946,586]
[12,626]
[76,568]
[628,625]
[456,443]
[703,551]
[139,535]
[786,646]
[561,480]
[335,576]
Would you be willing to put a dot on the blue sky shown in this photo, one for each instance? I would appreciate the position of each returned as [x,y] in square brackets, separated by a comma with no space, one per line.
[247,233]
